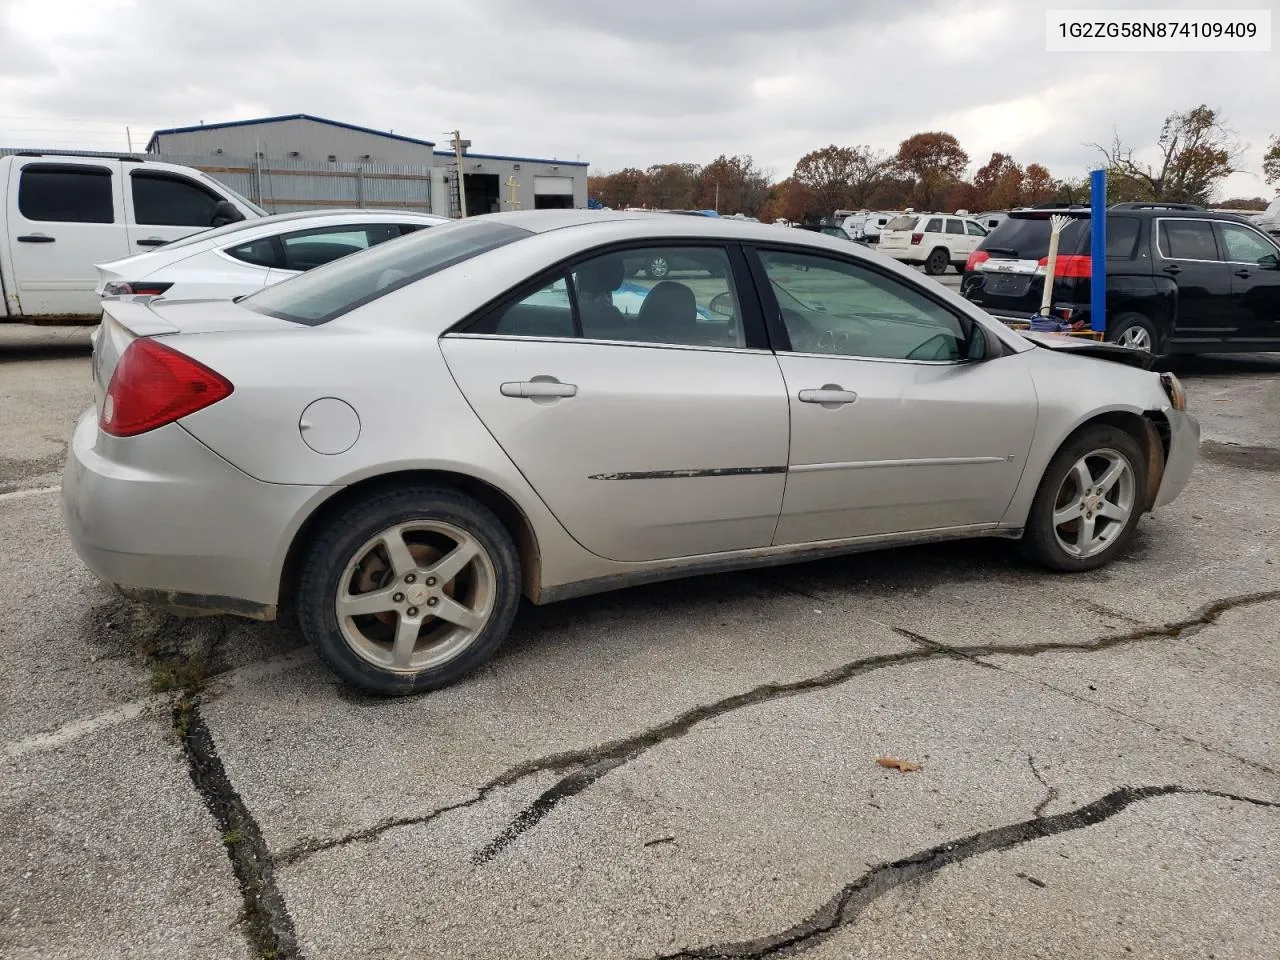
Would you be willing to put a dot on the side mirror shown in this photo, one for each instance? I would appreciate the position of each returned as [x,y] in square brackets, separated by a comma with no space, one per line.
[1269,262]
[225,212]
[722,305]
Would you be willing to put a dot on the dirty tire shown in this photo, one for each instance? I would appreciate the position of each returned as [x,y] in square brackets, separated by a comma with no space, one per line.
[337,543]
[1039,541]
[937,262]
[1135,330]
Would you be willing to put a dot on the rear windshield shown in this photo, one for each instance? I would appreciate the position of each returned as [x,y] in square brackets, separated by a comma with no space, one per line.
[902,223]
[1028,239]
[329,291]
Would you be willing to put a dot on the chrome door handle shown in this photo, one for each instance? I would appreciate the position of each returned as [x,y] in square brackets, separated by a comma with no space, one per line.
[538,388]
[830,395]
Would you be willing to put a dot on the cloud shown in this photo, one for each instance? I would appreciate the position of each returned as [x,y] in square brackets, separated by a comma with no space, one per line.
[619,84]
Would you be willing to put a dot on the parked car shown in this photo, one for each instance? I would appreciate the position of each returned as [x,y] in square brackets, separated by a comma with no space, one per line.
[1179,278]
[60,215]
[1269,220]
[992,219]
[869,227]
[243,257]
[401,443]
[833,230]
[933,239]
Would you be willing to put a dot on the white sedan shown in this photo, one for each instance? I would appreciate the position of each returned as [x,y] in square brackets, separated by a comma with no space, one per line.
[243,257]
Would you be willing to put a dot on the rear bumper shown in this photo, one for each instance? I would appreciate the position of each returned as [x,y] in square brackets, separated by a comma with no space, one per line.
[165,519]
[1184,450]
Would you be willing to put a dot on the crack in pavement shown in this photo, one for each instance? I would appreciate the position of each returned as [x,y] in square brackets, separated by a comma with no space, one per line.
[848,904]
[268,926]
[581,768]
[1051,792]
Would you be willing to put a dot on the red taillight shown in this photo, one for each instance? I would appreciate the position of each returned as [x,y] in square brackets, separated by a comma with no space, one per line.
[153,385]
[1070,266]
[917,237]
[138,288]
[975,258]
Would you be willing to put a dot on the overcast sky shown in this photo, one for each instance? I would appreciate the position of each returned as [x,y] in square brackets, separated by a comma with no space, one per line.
[618,82]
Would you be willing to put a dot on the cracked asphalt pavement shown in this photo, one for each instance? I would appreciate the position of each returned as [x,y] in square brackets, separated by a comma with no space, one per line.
[683,770]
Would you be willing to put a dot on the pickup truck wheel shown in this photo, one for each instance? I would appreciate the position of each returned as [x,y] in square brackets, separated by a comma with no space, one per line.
[1089,500]
[938,262]
[1136,331]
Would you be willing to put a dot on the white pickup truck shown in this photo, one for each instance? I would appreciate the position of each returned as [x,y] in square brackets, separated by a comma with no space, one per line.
[60,215]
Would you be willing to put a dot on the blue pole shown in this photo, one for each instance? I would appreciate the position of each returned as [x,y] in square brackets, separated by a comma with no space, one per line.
[1098,251]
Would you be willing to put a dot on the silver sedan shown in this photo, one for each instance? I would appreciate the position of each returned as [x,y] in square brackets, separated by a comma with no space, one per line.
[401,444]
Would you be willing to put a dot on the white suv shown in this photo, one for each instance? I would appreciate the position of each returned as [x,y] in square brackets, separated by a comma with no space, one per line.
[933,239]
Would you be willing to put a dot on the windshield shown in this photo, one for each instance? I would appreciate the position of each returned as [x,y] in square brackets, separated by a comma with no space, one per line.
[238,196]
[329,291]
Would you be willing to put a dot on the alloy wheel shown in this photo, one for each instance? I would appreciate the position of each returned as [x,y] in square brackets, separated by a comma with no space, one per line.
[416,596]
[1094,503]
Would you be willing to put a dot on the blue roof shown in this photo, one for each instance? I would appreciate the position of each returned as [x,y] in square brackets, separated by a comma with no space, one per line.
[291,116]
[494,156]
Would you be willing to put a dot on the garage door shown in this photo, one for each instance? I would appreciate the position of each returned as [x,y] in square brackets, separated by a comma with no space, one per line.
[553,186]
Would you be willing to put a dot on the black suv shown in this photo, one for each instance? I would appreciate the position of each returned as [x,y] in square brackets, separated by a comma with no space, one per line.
[1179,278]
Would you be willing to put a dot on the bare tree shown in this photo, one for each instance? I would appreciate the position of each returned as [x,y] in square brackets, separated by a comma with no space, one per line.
[1196,152]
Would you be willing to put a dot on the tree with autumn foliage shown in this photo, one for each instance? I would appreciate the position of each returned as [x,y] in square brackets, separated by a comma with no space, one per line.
[1196,152]
[998,183]
[935,161]
[1038,185]
[623,188]
[732,185]
[1271,161]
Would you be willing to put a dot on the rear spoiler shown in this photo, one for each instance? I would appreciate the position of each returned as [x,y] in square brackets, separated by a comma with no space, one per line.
[136,316]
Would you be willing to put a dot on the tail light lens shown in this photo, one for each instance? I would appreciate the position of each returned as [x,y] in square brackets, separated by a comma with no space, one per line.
[136,288]
[153,385]
[916,238]
[1069,266]
[975,258]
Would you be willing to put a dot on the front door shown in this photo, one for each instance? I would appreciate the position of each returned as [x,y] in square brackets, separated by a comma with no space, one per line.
[1188,254]
[647,417]
[893,427]
[166,206]
[1254,262]
[64,217]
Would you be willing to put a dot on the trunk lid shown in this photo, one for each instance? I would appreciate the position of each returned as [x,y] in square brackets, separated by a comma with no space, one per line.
[124,319]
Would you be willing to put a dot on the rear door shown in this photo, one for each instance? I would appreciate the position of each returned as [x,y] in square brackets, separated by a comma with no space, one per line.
[648,415]
[893,428]
[1254,262]
[1187,252]
[64,217]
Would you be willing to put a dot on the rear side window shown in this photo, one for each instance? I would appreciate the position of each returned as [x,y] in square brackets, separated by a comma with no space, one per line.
[330,291]
[1122,237]
[934,225]
[171,201]
[1027,238]
[901,223]
[955,226]
[66,194]
[1187,240]
[261,252]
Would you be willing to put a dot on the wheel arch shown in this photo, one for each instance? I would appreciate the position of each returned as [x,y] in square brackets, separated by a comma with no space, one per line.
[508,512]
[1149,428]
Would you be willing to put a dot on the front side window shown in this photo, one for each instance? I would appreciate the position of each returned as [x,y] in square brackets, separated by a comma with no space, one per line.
[1246,246]
[328,292]
[614,297]
[835,307]
[1187,240]
[171,201]
[973,229]
[66,194]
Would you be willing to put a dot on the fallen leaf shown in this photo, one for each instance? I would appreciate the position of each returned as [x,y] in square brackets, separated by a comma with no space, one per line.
[905,766]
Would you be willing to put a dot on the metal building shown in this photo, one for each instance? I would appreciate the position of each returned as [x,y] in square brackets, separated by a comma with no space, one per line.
[300,161]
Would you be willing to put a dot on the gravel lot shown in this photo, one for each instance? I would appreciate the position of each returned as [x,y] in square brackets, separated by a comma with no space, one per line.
[682,770]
